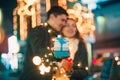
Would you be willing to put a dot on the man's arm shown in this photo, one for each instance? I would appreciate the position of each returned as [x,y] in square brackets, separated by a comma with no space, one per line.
[38,41]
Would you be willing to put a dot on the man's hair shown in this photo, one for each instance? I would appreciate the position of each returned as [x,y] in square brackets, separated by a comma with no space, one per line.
[56,10]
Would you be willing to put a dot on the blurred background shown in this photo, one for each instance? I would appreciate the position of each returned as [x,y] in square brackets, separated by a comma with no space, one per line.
[17,17]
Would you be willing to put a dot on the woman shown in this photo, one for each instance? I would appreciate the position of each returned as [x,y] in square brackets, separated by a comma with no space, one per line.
[77,49]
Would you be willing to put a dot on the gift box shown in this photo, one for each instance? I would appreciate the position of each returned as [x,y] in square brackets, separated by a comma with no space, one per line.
[61,48]
[66,64]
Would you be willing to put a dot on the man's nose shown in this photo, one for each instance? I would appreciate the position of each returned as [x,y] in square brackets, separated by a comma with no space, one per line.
[64,23]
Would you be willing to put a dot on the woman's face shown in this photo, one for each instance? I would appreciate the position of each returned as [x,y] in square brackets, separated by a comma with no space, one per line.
[70,29]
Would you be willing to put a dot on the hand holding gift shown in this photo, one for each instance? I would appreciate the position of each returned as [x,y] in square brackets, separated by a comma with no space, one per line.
[66,64]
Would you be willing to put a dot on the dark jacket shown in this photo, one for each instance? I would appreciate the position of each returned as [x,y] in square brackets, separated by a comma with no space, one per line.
[79,72]
[39,39]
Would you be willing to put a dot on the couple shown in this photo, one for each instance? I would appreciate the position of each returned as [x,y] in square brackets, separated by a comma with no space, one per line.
[40,38]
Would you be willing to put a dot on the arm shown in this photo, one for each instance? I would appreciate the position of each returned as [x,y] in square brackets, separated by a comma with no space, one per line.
[38,40]
[81,56]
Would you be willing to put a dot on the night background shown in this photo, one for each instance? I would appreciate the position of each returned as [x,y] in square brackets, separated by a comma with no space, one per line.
[107,35]
[7,9]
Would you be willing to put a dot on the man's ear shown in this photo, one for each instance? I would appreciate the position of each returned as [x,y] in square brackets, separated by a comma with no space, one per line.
[52,16]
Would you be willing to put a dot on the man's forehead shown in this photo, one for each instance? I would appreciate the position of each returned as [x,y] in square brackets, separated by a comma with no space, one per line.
[63,16]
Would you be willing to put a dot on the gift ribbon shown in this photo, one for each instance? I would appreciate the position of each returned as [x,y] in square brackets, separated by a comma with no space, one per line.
[68,64]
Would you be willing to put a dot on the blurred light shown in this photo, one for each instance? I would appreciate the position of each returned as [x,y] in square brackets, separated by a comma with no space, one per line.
[79,64]
[14,61]
[62,3]
[116,54]
[46,55]
[42,72]
[116,58]
[53,39]
[86,68]
[10,60]
[59,36]
[13,46]
[45,24]
[4,55]
[72,0]
[48,5]
[42,69]
[65,75]
[101,23]
[92,6]
[62,70]
[101,20]
[95,76]
[88,1]
[49,31]
[92,1]
[25,9]
[50,54]
[0,17]
[47,69]
[30,2]
[47,60]
[107,54]
[36,60]
[118,63]
[2,35]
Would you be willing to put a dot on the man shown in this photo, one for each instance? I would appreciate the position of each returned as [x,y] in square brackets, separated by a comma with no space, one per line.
[40,42]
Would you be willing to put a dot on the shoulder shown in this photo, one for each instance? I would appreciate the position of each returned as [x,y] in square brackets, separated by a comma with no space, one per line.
[39,29]
[81,43]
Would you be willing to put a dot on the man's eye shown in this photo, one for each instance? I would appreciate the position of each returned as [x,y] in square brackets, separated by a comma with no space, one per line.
[67,25]
[74,25]
[63,20]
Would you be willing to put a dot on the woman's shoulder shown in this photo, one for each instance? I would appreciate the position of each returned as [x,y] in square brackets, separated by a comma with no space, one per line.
[81,43]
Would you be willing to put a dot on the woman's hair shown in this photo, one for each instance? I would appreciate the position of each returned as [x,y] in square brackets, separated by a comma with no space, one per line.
[77,35]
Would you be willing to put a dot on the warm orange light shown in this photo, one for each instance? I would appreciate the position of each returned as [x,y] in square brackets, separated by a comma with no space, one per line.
[36,60]
[2,34]
[28,11]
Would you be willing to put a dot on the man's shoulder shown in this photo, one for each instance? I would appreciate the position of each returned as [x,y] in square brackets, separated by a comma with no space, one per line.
[39,28]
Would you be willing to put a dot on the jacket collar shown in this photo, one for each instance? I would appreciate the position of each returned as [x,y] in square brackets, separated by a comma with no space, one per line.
[52,31]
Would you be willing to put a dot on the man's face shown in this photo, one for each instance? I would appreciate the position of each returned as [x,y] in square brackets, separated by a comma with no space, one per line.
[60,21]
